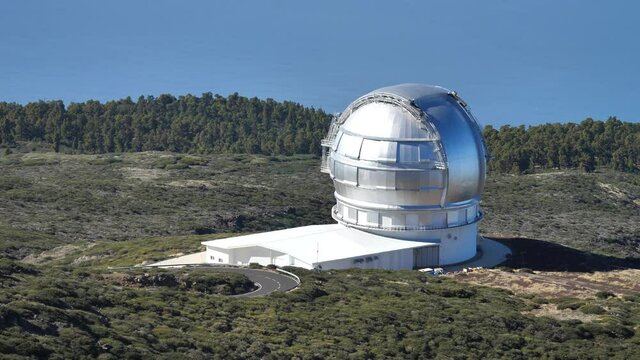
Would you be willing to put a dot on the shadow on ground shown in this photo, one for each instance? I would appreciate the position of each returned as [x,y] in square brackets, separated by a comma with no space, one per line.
[547,256]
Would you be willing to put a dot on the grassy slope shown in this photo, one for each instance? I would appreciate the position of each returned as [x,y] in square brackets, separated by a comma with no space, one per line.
[154,201]
[83,198]
[598,212]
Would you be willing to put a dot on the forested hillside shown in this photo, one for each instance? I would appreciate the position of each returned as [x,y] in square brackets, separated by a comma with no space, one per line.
[591,143]
[206,124]
[236,124]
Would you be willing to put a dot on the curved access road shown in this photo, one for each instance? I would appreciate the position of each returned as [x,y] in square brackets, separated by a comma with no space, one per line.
[267,281]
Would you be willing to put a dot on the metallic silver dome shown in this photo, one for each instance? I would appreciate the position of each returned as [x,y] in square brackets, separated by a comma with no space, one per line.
[407,157]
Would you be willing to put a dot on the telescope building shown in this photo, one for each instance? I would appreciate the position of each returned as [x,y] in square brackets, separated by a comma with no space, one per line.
[408,164]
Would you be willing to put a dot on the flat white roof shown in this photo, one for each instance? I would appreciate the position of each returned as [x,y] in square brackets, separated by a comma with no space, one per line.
[319,243]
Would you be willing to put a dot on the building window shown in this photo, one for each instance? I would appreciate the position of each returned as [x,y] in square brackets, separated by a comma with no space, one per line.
[431,179]
[351,214]
[350,146]
[412,220]
[346,173]
[407,180]
[472,213]
[334,146]
[376,179]
[373,150]
[408,152]
[373,218]
[453,218]
[220,260]
[212,257]
[427,152]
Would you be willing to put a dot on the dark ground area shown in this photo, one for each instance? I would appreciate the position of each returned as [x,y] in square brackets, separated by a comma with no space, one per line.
[542,255]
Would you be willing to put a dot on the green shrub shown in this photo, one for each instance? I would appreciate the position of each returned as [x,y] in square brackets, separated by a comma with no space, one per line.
[178,166]
[539,300]
[611,330]
[10,267]
[631,298]
[604,294]
[193,160]
[104,161]
[213,282]
[592,309]
[569,303]
[164,161]
[13,182]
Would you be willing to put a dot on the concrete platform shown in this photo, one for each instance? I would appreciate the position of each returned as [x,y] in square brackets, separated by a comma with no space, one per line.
[190,259]
[491,253]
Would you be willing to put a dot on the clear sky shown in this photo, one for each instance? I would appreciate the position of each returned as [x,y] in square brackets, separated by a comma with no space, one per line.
[514,62]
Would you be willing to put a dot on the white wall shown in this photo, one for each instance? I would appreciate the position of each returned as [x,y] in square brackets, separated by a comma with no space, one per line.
[299,263]
[252,254]
[217,255]
[395,260]
[458,244]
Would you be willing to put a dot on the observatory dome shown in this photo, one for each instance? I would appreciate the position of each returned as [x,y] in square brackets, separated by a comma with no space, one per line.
[406,160]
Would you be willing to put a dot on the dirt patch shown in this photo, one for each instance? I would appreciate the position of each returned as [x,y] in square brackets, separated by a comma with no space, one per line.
[192,183]
[398,282]
[114,278]
[519,283]
[206,184]
[550,310]
[85,258]
[619,279]
[547,174]
[613,190]
[143,174]
[50,255]
[556,284]
[617,194]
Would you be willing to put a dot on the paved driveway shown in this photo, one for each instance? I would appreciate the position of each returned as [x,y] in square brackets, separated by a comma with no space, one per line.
[267,281]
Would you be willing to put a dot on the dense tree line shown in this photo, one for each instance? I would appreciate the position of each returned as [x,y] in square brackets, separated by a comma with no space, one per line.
[236,124]
[206,124]
[591,143]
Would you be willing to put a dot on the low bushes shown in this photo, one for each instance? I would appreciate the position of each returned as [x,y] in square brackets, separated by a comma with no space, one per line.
[592,309]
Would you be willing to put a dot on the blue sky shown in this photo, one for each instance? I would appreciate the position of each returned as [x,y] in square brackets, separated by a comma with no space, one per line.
[514,62]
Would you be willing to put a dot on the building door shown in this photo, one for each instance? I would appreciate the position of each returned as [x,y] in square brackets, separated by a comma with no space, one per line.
[426,256]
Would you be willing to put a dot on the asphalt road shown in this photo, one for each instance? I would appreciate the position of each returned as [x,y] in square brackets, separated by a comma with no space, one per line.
[267,281]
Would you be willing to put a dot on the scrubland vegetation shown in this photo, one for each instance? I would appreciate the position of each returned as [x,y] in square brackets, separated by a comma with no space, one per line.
[90,186]
[69,312]
[65,219]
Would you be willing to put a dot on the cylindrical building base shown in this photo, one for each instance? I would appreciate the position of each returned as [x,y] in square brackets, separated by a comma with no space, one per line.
[457,244]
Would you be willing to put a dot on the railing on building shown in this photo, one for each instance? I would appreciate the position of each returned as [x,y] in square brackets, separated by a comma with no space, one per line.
[327,142]
[371,226]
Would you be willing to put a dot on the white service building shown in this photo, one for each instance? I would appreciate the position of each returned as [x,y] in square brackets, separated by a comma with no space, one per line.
[408,163]
[321,246]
